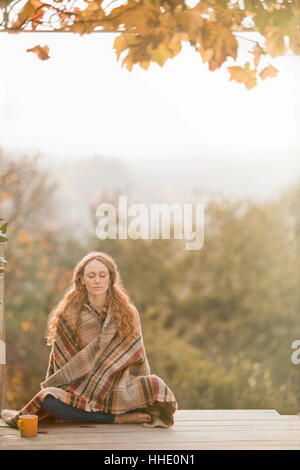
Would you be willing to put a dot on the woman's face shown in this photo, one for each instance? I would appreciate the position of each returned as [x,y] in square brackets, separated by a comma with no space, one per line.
[95,277]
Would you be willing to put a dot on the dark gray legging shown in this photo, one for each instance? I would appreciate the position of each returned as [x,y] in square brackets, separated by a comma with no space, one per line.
[61,410]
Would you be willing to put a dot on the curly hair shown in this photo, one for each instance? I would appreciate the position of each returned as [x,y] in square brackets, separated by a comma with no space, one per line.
[118,301]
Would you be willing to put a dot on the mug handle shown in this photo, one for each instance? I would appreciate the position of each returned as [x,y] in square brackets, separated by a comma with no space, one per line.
[21,424]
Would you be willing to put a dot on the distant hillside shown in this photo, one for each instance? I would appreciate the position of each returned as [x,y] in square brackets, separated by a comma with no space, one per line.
[82,180]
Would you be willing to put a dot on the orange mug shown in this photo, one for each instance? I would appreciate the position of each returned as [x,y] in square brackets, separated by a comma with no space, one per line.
[28,425]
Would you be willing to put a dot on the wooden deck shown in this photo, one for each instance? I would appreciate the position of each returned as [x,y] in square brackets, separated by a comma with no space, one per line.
[193,430]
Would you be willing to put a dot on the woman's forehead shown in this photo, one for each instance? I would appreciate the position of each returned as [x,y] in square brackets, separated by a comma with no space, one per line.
[95,266]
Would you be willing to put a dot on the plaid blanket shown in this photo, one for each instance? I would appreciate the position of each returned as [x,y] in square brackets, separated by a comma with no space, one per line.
[107,374]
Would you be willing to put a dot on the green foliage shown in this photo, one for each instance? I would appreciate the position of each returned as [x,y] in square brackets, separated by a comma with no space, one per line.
[3,239]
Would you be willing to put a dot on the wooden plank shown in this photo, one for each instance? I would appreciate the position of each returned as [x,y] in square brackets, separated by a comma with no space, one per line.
[225,414]
[193,429]
[220,445]
[125,429]
[285,436]
[285,433]
[78,428]
[291,417]
[191,413]
[194,415]
[237,424]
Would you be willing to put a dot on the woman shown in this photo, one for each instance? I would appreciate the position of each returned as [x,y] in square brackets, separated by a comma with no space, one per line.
[98,369]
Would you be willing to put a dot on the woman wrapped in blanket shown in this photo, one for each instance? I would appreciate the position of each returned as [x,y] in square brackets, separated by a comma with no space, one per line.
[98,369]
[96,283]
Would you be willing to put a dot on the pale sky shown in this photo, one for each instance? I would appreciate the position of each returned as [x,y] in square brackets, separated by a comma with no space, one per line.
[81,102]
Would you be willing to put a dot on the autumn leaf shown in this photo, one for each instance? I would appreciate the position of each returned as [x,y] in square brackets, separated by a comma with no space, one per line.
[36,4]
[153,30]
[188,22]
[274,41]
[122,42]
[28,13]
[45,245]
[43,262]
[25,238]
[164,51]
[206,54]
[5,3]
[25,325]
[88,19]
[269,71]
[221,40]
[145,64]
[38,18]
[295,39]
[138,17]
[228,16]
[41,52]
[137,49]
[257,52]
[243,75]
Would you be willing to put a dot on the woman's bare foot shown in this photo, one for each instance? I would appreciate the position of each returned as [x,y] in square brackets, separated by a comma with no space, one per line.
[136,417]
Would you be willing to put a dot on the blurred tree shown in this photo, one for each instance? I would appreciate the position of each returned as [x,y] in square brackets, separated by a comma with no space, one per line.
[3,262]
[232,301]
[36,275]
[217,324]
